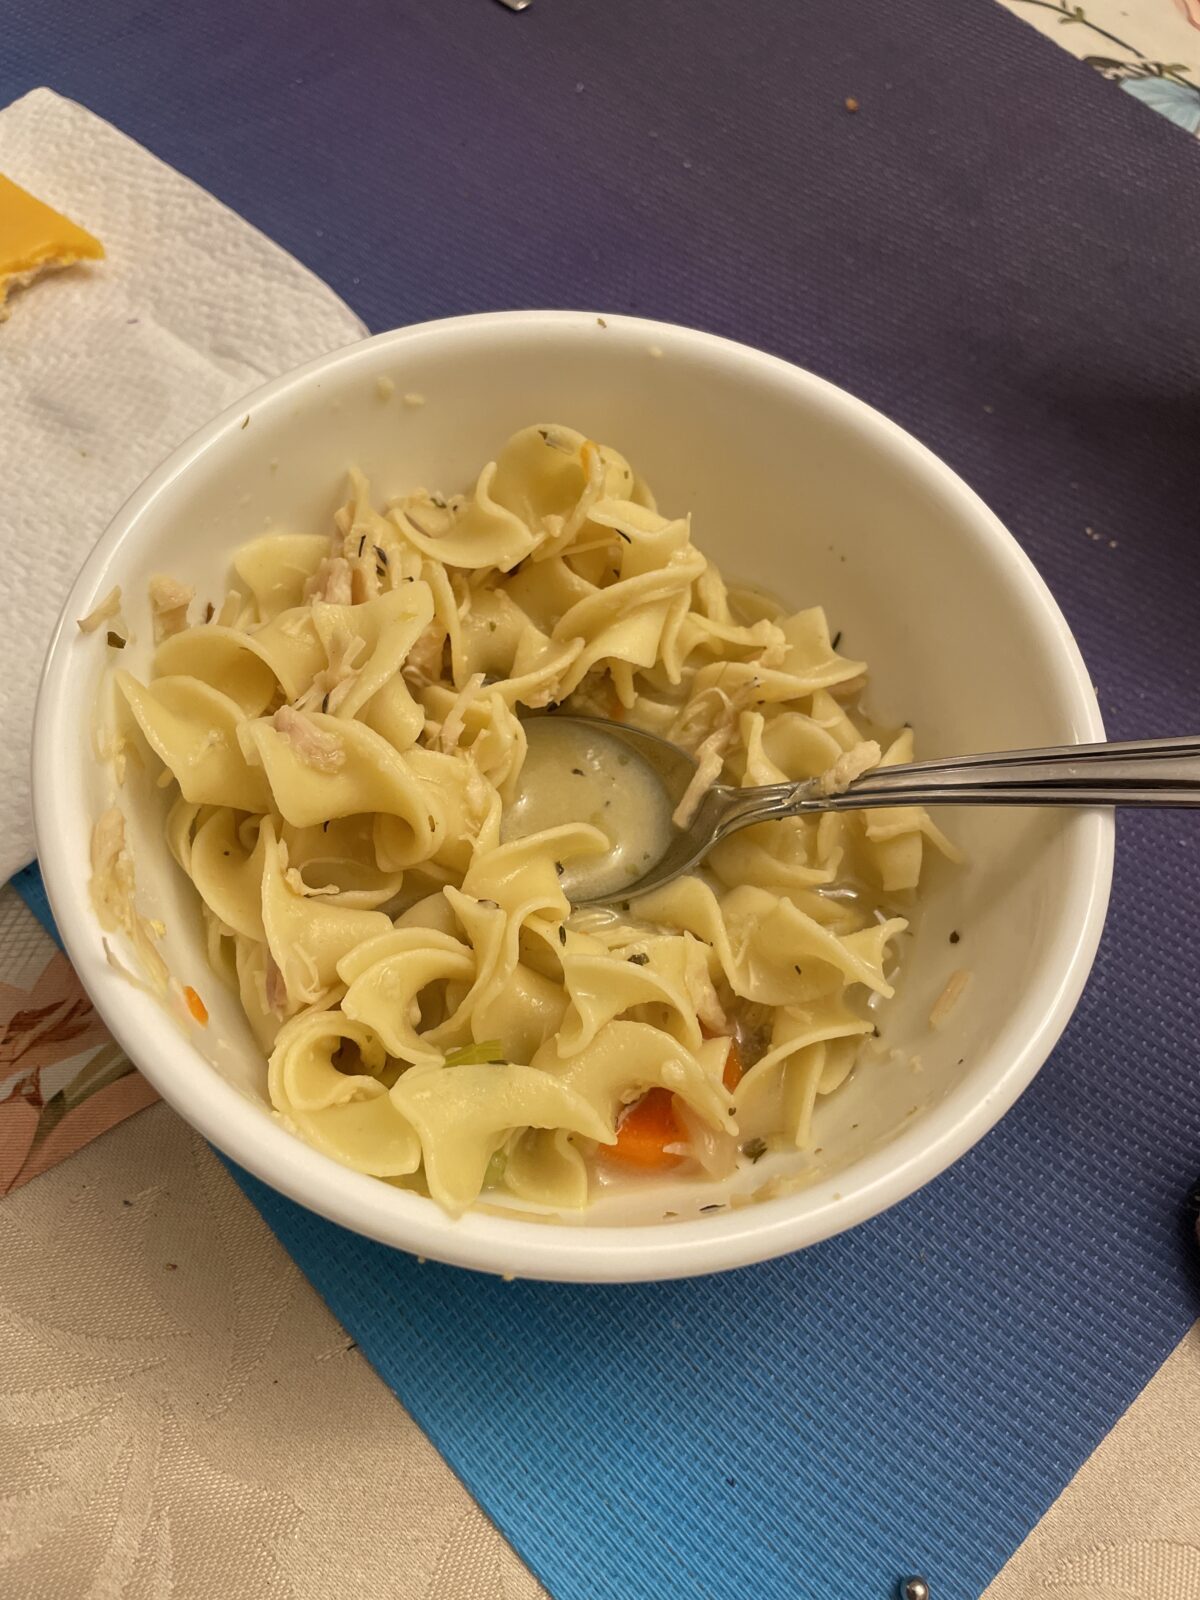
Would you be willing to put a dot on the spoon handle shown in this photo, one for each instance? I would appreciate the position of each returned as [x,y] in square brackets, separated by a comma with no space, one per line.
[1143,772]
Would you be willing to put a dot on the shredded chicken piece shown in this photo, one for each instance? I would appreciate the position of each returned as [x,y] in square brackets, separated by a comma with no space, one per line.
[117,751]
[332,684]
[592,696]
[710,753]
[169,602]
[701,990]
[711,710]
[111,888]
[112,872]
[322,751]
[332,582]
[849,766]
[956,986]
[110,744]
[108,607]
[452,728]
[710,760]
[424,662]
[550,694]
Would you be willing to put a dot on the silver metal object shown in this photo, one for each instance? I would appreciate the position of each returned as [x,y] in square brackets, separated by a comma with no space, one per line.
[515,5]
[1144,772]
[914,1589]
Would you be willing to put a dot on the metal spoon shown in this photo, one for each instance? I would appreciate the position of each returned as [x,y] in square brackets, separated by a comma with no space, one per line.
[1145,772]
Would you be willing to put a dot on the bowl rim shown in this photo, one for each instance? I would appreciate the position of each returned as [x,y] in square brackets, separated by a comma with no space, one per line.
[480,1239]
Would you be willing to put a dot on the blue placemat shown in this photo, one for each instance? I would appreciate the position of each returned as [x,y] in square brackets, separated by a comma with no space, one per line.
[999,250]
[28,884]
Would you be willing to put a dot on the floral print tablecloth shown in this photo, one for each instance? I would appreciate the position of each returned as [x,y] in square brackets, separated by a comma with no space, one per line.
[63,1081]
[1150,48]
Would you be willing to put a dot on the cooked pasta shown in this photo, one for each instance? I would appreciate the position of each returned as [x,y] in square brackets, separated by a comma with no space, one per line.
[344,742]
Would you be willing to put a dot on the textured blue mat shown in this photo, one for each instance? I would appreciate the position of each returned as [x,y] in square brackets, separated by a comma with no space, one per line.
[999,250]
[28,884]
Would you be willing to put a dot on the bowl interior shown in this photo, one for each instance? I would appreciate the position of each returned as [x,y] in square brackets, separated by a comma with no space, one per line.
[793,486]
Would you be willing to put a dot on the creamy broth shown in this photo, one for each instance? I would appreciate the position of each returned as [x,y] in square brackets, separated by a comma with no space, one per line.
[574,774]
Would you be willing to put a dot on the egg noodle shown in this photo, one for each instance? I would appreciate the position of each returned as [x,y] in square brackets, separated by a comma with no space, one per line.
[344,737]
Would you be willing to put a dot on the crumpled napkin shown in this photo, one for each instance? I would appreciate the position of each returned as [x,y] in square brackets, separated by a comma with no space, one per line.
[105,368]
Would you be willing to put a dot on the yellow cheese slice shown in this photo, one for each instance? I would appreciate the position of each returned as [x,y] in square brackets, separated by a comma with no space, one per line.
[35,238]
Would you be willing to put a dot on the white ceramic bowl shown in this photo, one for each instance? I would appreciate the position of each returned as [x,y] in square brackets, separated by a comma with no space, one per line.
[793,485]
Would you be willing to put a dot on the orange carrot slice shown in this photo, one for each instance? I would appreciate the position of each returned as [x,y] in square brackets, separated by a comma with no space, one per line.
[195,1005]
[735,1069]
[645,1130]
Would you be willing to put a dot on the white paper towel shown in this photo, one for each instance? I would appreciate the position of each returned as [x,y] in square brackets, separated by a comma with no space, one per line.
[105,368]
